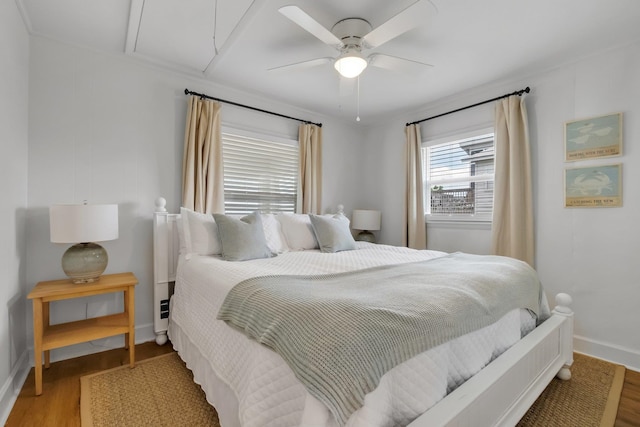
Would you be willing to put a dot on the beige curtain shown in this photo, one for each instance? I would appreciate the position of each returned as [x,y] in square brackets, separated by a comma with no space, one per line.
[415,232]
[310,178]
[202,170]
[512,228]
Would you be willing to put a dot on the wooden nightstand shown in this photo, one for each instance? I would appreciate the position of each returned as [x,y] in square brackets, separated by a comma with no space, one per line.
[47,337]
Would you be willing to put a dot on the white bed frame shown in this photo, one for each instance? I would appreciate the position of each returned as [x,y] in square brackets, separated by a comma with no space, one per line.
[499,395]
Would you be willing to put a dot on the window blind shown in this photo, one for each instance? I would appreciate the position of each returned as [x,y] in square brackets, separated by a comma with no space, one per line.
[259,174]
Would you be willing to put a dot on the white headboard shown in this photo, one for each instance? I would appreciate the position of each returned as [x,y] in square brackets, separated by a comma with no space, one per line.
[166,247]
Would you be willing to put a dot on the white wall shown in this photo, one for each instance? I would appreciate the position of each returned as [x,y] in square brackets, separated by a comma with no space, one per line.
[14,71]
[589,253]
[108,129]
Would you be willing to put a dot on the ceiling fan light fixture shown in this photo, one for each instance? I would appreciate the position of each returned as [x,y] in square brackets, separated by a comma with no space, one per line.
[350,64]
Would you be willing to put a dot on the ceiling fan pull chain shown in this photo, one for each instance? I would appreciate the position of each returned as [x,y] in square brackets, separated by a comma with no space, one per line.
[358,100]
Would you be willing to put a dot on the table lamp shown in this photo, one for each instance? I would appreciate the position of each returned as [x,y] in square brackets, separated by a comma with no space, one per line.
[367,221]
[83,225]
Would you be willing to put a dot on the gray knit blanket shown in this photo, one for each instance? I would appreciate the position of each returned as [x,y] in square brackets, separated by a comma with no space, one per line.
[340,333]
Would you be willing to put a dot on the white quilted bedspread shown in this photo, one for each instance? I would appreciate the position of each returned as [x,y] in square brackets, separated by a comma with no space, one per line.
[266,391]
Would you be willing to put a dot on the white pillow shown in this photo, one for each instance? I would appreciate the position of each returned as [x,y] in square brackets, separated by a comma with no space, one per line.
[297,231]
[200,233]
[273,233]
[181,239]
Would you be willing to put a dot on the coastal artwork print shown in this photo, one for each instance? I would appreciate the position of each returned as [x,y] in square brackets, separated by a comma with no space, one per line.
[594,137]
[593,186]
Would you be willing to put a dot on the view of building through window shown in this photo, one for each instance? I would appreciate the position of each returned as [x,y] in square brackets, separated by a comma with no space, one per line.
[458,177]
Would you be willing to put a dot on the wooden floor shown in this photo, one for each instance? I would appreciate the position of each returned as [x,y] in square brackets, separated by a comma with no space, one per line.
[629,409]
[59,404]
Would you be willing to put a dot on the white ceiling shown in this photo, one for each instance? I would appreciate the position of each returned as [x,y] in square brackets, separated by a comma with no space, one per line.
[468,42]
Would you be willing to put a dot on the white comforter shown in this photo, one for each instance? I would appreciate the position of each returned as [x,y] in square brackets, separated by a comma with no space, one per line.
[265,390]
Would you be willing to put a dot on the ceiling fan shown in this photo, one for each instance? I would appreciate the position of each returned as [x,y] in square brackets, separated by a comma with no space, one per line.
[352,36]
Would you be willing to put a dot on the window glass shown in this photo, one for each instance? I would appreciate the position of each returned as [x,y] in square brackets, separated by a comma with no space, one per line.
[458,177]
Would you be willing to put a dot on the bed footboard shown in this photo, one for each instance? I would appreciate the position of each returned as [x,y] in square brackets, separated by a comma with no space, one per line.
[501,393]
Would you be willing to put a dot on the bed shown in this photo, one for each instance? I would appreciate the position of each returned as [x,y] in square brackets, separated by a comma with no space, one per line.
[249,384]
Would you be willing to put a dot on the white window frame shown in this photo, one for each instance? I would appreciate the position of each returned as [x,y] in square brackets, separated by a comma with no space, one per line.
[267,138]
[479,219]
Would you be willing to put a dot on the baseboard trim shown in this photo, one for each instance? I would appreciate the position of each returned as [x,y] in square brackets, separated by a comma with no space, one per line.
[12,386]
[607,351]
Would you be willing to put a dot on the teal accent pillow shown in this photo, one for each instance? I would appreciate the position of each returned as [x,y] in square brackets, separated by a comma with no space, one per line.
[242,239]
[332,233]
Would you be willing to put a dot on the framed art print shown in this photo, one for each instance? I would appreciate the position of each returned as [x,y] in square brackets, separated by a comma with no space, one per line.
[594,137]
[593,186]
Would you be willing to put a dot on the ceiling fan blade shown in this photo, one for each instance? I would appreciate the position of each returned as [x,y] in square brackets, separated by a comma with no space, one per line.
[404,21]
[303,64]
[300,17]
[394,63]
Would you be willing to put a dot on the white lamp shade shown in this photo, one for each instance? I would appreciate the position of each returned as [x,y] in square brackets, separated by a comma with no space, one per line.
[83,223]
[365,220]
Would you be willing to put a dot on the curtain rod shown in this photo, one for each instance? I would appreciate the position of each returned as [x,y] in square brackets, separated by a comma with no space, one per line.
[518,92]
[201,95]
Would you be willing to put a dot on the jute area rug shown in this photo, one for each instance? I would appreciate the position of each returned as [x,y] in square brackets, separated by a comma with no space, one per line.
[161,392]
[158,392]
[589,398]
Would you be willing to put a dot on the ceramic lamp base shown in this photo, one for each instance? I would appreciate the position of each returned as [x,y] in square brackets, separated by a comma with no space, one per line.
[85,262]
[366,236]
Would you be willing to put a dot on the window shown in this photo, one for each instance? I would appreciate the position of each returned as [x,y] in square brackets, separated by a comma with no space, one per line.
[260,173]
[458,177]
